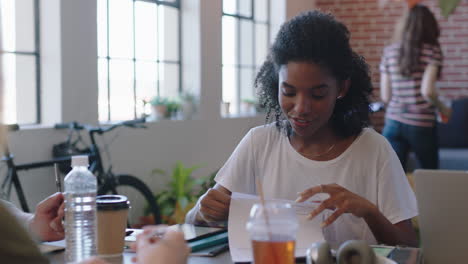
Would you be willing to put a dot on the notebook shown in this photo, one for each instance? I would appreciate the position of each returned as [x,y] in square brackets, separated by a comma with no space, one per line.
[443,215]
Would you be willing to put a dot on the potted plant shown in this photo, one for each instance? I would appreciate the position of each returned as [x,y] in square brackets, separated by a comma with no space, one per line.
[188,105]
[249,106]
[159,109]
[173,108]
[182,192]
[225,108]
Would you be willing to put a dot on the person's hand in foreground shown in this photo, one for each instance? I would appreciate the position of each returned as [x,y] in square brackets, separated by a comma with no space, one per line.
[171,248]
[46,222]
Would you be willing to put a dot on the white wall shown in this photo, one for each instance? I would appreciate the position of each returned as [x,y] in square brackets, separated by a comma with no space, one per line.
[72,77]
[138,151]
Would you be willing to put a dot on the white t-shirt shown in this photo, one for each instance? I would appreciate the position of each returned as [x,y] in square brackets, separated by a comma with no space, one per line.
[369,168]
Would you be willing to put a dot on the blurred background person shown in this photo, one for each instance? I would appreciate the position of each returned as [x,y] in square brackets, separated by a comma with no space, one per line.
[409,70]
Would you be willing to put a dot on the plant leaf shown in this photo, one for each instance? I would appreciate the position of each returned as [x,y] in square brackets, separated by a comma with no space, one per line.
[447,6]
[158,171]
[180,197]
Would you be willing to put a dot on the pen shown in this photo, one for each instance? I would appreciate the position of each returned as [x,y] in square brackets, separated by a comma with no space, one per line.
[57,178]
[160,231]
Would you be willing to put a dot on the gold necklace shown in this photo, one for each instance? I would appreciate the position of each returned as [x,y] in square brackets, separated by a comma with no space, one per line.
[324,153]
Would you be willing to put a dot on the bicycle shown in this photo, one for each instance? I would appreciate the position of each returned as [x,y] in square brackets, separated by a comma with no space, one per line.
[108,181]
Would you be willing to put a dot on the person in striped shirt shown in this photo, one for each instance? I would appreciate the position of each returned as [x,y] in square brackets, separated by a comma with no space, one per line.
[409,70]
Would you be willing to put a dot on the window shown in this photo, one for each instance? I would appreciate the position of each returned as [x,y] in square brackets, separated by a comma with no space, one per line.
[20,60]
[138,55]
[246,29]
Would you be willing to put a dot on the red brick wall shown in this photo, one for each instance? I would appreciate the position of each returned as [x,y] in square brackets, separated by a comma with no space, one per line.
[372,28]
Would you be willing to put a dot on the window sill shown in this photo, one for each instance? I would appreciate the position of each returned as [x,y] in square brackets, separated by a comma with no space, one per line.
[34,127]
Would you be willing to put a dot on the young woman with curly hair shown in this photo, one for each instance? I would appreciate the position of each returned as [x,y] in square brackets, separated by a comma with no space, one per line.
[316,89]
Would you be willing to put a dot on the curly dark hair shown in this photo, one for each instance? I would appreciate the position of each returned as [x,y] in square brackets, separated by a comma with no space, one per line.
[318,38]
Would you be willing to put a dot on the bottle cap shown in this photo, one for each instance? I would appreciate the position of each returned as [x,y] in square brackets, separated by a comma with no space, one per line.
[81,160]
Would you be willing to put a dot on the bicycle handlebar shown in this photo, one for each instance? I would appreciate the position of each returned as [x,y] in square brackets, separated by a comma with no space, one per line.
[12,127]
[136,123]
[72,125]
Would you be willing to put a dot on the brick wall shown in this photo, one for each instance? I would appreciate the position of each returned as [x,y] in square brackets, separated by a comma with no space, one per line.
[372,28]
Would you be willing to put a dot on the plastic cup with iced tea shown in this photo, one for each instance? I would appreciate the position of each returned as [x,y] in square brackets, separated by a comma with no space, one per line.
[272,229]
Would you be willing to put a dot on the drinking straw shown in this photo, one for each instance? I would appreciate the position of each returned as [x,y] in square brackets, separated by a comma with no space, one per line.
[267,218]
[262,201]
[58,183]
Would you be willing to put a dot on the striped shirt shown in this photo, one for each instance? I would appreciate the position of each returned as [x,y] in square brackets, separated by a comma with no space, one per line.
[407,104]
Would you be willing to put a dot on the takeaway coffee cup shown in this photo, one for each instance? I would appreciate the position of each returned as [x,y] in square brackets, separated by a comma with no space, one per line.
[112,212]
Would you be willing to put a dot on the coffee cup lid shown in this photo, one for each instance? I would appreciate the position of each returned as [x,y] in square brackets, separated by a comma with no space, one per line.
[112,202]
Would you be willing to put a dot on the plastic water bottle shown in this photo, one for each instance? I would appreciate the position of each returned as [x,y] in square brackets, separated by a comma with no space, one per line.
[80,211]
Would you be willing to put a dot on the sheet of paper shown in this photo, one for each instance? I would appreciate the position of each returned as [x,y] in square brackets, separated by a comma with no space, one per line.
[239,241]
[49,247]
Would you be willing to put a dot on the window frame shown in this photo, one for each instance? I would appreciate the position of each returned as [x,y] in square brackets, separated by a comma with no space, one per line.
[37,59]
[174,4]
[238,65]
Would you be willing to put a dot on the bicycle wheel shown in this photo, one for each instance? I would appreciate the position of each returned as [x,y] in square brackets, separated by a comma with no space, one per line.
[140,196]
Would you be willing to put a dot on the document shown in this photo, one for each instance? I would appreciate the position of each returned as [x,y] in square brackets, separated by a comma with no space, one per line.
[49,247]
[239,242]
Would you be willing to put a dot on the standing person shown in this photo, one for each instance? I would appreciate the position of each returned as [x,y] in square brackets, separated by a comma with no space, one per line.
[316,88]
[409,70]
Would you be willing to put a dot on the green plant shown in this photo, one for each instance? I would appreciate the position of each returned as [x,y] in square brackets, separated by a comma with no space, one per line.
[181,194]
[252,101]
[158,100]
[188,97]
[249,101]
[172,106]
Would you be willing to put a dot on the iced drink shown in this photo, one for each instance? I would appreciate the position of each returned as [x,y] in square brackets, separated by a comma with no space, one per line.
[272,230]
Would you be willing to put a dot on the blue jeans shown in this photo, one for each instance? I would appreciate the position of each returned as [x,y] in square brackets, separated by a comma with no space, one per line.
[421,140]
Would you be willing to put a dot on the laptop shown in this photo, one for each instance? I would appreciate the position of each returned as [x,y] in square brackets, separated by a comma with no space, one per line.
[443,215]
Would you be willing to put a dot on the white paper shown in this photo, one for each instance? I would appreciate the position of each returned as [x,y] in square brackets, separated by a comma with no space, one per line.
[239,242]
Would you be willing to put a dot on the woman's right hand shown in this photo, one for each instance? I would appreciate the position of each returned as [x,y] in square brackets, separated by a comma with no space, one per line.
[213,206]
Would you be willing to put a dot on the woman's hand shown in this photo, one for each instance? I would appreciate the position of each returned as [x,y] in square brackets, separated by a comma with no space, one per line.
[170,248]
[341,200]
[214,206]
[46,222]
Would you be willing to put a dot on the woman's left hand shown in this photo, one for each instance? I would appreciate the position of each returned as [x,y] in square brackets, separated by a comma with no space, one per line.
[341,201]
[46,223]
